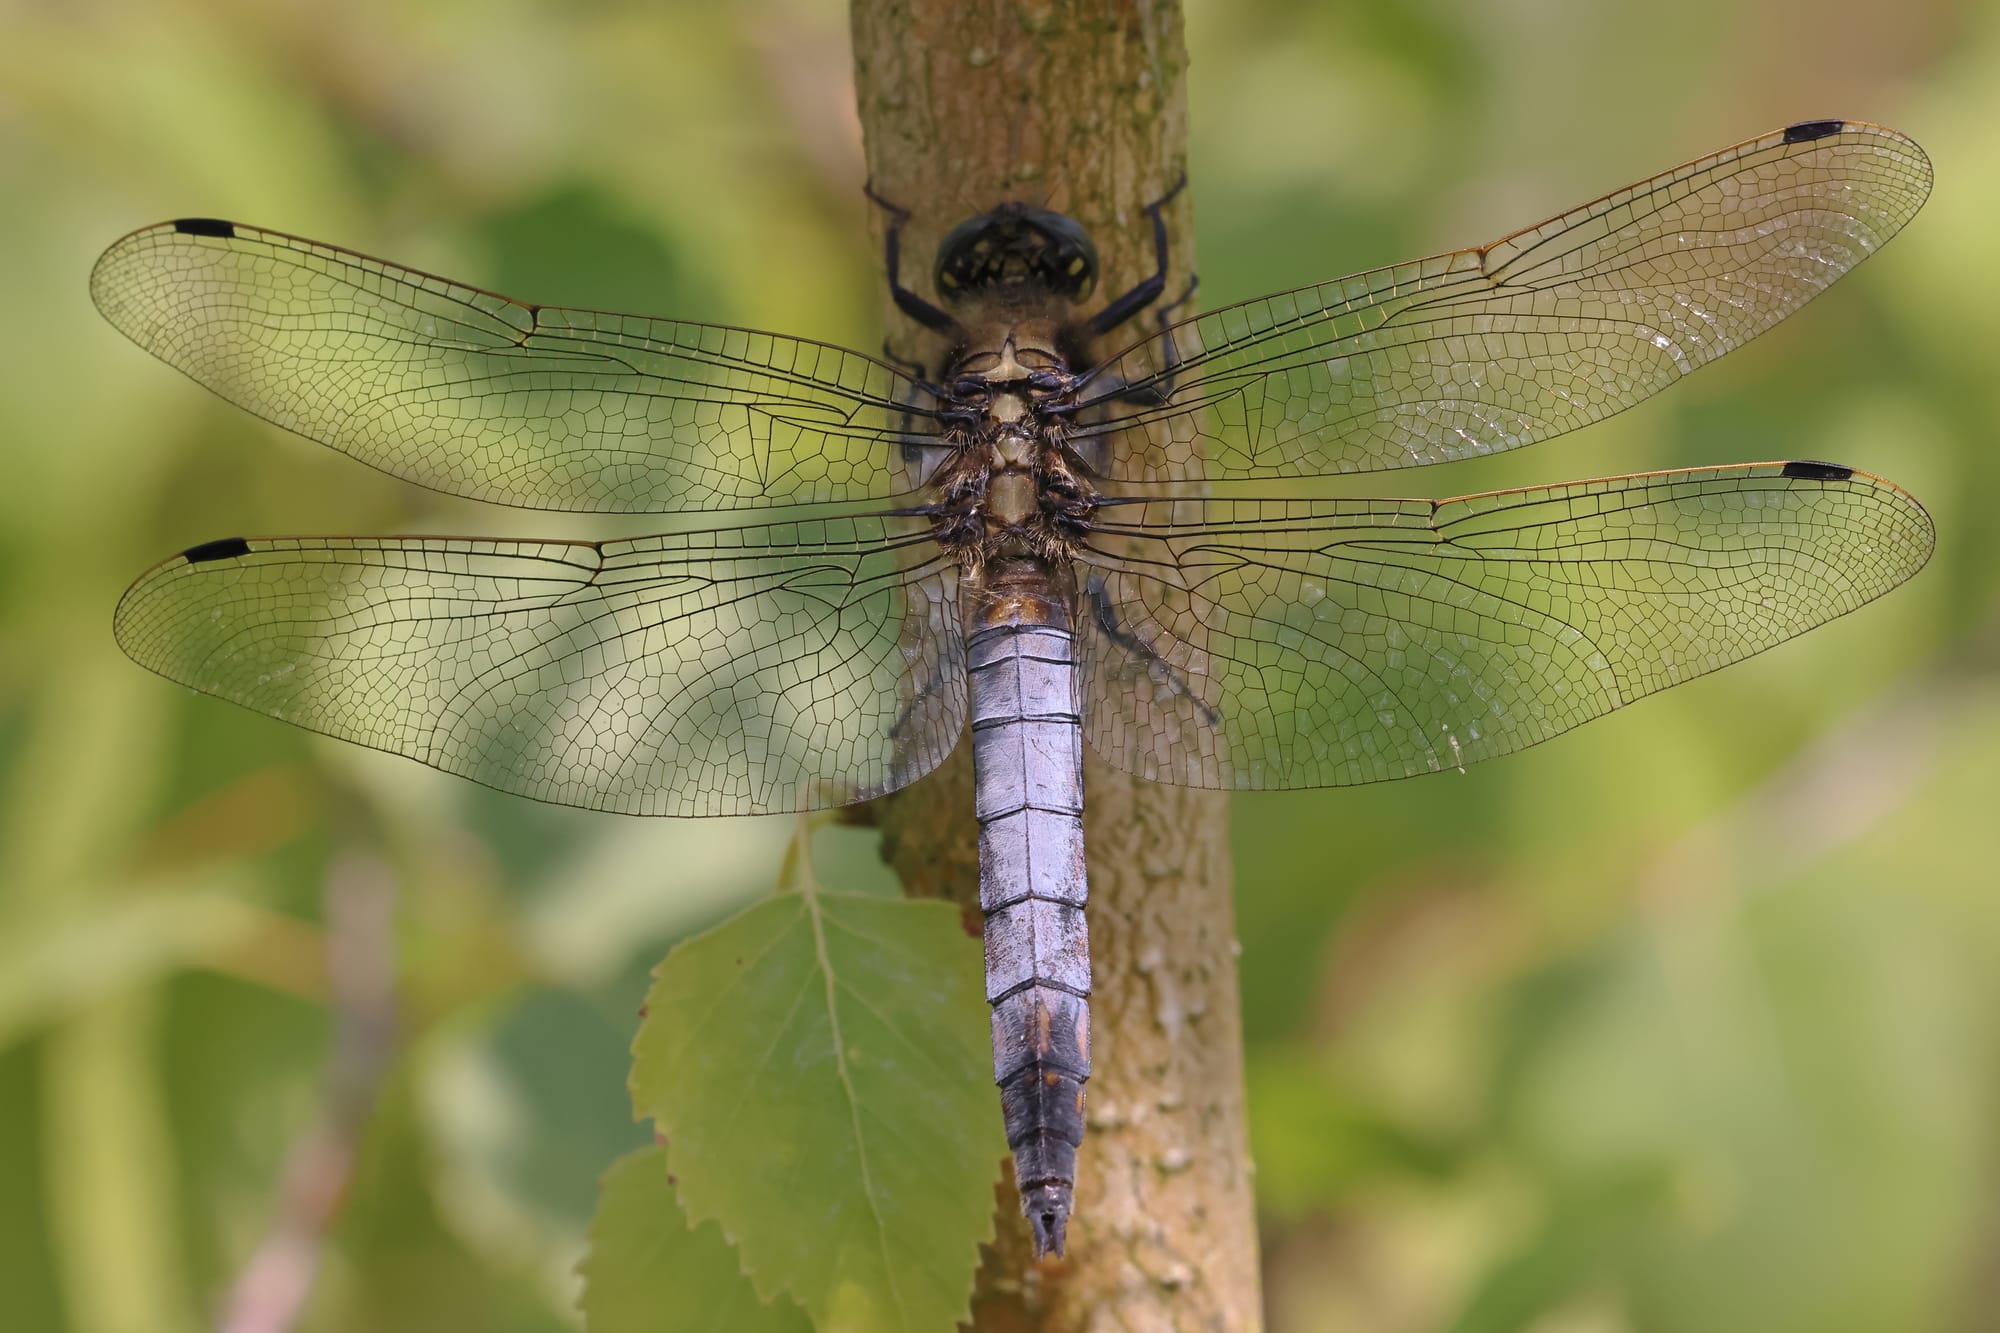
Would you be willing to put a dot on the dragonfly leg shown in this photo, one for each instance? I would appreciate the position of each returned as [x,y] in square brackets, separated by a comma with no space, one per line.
[907,301]
[920,448]
[917,711]
[1106,616]
[1160,388]
[1149,289]
[1157,389]
[916,370]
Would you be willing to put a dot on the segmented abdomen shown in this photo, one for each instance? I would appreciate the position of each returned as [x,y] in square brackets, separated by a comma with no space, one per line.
[1027,755]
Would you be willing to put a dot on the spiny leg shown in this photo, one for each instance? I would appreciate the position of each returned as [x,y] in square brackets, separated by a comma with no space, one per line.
[1108,624]
[1090,448]
[1155,390]
[1149,289]
[907,301]
[1158,390]
[916,370]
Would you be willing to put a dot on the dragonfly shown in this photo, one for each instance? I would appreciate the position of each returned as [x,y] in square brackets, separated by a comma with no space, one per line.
[1044,534]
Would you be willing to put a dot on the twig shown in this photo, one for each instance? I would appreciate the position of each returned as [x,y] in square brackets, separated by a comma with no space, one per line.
[359,899]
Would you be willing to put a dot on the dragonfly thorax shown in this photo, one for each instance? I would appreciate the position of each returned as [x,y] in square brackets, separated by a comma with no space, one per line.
[1010,489]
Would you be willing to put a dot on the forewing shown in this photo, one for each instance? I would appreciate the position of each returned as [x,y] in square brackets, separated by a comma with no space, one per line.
[1276,643]
[739,671]
[1492,348]
[474,394]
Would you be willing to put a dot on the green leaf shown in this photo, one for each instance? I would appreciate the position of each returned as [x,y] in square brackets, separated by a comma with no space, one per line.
[819,1067]
[649,1272]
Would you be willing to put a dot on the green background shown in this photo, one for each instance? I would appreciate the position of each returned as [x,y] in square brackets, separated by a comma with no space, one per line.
[1684,1022]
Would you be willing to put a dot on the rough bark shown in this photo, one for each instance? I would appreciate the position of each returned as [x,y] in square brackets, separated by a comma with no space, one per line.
[1080,105]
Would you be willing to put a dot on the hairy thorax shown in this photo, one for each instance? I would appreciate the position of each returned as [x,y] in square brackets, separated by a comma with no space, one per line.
[1009,485]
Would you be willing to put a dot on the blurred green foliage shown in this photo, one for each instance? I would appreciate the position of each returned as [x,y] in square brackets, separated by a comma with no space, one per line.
[1685,1022]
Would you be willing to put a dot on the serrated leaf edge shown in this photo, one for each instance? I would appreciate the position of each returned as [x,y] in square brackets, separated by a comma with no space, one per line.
[581,1268]
[810,893]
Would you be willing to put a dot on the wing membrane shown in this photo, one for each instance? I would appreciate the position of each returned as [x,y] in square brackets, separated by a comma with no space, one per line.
[742,671]
[1539,333]
[475,394]
[1310,643]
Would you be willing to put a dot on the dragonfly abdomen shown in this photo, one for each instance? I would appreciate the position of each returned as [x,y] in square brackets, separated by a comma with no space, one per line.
[1027,755]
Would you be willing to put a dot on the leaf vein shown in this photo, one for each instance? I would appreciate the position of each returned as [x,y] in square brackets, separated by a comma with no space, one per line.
[853,1101]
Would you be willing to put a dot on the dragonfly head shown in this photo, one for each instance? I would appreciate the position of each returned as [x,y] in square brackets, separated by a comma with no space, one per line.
[1016,246]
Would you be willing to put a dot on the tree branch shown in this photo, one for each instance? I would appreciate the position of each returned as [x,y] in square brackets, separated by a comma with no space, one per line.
[1080,105]
[271,1292]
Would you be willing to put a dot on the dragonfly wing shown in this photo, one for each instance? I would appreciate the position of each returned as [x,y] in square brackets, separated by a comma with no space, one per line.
[475,394]
[1315,643]
[741,671]
[1492,348]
